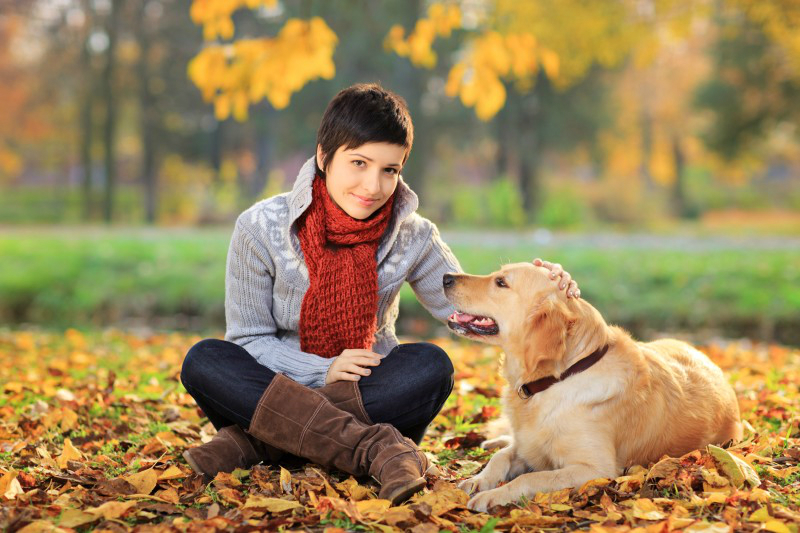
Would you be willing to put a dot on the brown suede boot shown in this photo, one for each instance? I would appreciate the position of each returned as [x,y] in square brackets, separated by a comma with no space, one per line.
[304,422]
[232,448]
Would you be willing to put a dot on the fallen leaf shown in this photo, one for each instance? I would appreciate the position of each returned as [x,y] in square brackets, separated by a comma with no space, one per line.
[645,509]
[69,453]
[737,470]
[286,481]
[144,481]
[9,485]
[111,510]
[74,518]
[270,505]
[173,472]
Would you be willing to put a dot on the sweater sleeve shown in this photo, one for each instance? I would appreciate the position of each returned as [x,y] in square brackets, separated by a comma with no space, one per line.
[425,278]
[249,277]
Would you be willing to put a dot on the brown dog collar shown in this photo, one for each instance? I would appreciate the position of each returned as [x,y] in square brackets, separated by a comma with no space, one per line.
[526,390]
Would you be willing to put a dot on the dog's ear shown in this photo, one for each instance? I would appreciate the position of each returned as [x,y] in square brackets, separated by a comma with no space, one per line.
[546,336]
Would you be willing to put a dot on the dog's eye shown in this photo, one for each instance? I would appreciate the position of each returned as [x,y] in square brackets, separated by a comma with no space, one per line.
[500,282]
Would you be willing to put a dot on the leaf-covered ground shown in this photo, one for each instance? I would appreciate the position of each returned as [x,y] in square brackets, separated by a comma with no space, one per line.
[93,426]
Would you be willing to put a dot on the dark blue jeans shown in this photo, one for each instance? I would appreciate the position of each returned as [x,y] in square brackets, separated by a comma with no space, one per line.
[407,389]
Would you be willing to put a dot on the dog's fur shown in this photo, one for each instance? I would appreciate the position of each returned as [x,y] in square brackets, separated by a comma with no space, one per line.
[638,403]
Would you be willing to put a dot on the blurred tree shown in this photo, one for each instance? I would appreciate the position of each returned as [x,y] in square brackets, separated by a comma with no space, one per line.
[755,84]
[538,49]
[108,90]
[24,119]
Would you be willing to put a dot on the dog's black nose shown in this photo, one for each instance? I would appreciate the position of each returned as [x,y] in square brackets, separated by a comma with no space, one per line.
[448,280]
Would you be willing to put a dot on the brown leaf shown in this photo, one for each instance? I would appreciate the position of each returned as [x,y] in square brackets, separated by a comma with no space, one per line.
[115,487]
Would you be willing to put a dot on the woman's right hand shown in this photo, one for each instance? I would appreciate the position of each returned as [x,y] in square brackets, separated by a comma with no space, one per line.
[351,364]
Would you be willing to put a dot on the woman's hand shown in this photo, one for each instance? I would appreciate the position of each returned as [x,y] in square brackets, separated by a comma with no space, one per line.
[557,270]
[351,364]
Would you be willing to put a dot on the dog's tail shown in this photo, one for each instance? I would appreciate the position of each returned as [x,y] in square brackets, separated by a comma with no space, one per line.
[498,434]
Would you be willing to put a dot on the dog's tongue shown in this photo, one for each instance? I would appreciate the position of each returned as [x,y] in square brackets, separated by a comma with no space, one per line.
[464,317]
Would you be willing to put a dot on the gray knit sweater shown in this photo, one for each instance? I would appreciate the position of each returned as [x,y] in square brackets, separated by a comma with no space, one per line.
[266,277]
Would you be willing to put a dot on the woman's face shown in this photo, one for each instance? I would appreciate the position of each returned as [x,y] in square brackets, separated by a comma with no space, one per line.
[360,180]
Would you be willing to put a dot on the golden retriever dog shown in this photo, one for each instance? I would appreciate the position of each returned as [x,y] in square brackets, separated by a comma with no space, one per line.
[584,400]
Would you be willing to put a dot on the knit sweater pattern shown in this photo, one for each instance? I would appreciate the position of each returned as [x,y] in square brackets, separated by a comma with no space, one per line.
[266,277]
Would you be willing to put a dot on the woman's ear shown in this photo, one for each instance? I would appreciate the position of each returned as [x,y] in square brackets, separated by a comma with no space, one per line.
[546,336]
[320,159]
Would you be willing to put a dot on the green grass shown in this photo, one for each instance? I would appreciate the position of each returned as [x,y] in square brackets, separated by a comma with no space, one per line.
[174,278]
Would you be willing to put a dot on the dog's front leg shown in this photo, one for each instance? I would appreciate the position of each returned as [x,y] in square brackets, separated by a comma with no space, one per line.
[501,466]
[544,481]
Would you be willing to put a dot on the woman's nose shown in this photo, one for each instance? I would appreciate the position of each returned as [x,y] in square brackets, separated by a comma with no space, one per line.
[372,184]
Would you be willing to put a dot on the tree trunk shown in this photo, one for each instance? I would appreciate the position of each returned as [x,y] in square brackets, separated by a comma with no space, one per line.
[265,148]
[110,125]
[678,187]
[529,144]
[147,120]
[646,122]
[87,100]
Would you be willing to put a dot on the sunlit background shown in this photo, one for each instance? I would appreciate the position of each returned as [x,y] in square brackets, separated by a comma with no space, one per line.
[650,146]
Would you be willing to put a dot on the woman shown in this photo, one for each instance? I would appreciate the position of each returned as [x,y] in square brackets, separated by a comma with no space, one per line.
[310,363]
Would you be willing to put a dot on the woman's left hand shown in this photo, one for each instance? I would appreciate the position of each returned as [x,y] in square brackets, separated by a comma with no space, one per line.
[566,281]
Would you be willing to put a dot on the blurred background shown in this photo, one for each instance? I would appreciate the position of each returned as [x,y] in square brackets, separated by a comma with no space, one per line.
[650,146]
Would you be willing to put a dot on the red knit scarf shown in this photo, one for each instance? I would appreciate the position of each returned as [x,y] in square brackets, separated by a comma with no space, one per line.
[340,307]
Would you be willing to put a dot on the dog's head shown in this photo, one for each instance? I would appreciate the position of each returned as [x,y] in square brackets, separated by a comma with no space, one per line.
[521,309]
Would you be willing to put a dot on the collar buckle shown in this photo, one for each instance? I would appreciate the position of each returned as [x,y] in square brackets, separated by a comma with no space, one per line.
[523,392]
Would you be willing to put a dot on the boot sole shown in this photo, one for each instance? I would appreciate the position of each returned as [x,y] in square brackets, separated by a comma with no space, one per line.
[195,466]
[404,493]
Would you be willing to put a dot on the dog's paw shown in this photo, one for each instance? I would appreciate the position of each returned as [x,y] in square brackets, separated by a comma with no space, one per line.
[475,484]
[484,501]
[502,441]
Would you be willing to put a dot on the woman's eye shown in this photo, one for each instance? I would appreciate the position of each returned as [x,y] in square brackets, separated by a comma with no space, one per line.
[392,170]
[500,282]
[358,161]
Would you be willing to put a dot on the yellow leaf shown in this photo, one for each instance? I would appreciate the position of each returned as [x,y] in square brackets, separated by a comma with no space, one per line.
[715,497]
[74,518]
[286,481]
[9,485]
[14,386]
[70,453]
[442,501]
[170,495]
[777,527]
[40,526]
[737,470]
[271,505]
[144,481]
[111,510]
[355,491]
[708,527]
[759,515]
[173,472]
[646,510]
[69,419]
[373,509]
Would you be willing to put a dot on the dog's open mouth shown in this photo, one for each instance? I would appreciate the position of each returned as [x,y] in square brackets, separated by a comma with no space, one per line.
[467,323]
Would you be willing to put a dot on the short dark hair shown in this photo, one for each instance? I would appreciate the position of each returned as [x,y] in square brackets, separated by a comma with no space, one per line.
[363,113]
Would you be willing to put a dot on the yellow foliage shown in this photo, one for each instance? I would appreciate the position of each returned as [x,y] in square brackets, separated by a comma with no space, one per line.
[441,21]
[779,20]
[477,79]
[235,75]
[215,15]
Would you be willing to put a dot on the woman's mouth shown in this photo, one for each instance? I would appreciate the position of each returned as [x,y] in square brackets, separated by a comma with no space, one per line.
[366,202]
